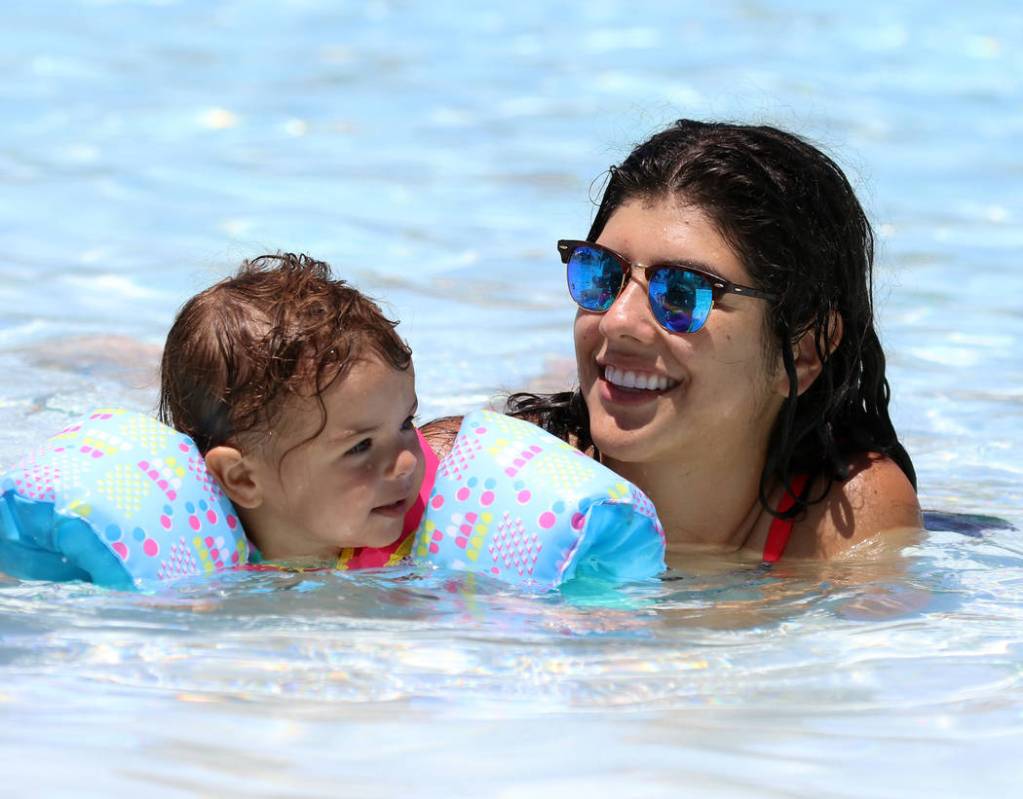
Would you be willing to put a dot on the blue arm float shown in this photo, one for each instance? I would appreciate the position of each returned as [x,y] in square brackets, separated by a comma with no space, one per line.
[514,502]
[116,499]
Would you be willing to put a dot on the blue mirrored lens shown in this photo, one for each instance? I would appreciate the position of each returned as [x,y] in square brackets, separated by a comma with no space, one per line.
[594,278]
[680,300]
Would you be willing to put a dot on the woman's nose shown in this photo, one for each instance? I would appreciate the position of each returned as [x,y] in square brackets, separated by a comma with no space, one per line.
[629,315]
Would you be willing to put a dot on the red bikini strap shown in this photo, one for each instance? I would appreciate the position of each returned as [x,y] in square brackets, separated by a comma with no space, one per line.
[781,529]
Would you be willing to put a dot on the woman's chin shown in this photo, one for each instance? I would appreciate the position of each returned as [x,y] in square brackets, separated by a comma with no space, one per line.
[633,446]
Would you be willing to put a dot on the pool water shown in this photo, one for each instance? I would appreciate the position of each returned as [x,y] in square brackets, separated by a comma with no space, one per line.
[434,152]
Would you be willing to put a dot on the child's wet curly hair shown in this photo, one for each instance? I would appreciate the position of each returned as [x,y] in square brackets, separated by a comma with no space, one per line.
[280,327]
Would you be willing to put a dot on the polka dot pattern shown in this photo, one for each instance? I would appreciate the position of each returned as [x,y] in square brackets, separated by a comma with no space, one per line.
[140,489]
[517,504]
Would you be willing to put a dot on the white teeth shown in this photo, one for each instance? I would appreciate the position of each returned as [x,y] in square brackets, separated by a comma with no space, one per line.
[644,381]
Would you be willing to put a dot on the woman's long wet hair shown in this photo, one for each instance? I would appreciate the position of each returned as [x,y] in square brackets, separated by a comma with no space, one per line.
[790,214]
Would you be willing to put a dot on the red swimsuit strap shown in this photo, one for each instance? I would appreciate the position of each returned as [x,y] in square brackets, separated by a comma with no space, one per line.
[781,529]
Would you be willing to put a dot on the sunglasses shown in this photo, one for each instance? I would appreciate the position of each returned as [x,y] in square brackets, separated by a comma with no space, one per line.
[681,297]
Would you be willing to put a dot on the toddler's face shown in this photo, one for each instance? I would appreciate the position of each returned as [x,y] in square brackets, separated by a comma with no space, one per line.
[352,484]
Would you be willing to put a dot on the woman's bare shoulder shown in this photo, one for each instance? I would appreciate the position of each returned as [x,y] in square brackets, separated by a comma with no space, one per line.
[441,433]
[876,498]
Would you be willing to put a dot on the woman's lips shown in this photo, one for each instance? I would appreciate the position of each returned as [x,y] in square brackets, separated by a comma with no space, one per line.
[633,387]
[638,379]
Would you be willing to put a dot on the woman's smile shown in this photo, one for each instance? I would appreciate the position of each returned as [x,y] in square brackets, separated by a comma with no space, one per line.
[619,386]
[638,380]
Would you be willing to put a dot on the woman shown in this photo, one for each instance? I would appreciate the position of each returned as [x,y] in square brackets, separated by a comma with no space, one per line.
[728,362]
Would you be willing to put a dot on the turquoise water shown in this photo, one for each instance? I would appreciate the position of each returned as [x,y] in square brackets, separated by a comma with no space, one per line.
[433,153]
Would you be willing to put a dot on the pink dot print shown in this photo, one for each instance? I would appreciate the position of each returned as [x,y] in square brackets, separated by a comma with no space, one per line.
[547,520]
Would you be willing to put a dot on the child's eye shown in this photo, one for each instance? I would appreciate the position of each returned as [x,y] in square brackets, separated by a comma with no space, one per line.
[362,446]
[409,423]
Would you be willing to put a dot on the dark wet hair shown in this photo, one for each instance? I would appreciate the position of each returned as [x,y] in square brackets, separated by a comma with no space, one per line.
[790,214]
[280,327]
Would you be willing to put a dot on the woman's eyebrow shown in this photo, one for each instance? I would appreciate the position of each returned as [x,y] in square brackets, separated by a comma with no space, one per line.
[681,263]
[688,263]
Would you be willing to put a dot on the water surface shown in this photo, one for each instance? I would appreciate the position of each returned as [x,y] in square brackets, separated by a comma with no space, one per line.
[433,152]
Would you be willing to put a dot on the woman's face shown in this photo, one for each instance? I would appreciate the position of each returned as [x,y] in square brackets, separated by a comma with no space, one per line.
[713,395]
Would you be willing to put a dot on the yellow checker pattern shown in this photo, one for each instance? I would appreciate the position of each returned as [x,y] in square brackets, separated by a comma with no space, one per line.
[148,433]
[126,487]
[565,470]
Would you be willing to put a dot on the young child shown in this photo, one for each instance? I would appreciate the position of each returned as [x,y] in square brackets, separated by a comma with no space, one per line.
[300,396]
[293,396]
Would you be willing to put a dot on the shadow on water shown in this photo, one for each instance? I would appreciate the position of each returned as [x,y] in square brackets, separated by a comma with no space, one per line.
[971,524]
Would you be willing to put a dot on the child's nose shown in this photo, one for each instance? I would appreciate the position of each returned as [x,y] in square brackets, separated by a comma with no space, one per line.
[406,462]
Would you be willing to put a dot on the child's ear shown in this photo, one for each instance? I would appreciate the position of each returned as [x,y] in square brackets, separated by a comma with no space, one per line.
[808,362]
[235,475]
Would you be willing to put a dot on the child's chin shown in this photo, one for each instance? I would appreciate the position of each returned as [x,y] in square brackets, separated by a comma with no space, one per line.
[384,533]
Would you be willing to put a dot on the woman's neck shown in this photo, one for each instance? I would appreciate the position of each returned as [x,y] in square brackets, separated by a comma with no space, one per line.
[705,506]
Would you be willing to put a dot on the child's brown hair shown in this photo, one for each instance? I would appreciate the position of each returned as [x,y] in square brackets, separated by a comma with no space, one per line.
[280,327]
